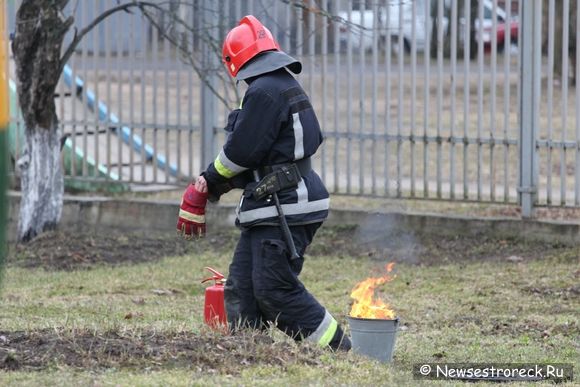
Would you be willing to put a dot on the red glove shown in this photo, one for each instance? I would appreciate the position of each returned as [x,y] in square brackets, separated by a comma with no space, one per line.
[191,222]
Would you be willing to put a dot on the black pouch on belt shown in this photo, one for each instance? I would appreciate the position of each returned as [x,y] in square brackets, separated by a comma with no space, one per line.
[283,177]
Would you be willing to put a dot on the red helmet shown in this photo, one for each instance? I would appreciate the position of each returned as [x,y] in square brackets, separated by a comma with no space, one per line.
[246,41]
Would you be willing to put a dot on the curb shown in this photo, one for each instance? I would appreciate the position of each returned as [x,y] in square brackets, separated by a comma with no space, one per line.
[98,214]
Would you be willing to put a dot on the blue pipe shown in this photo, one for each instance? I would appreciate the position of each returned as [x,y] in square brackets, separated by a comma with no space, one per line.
[104,116]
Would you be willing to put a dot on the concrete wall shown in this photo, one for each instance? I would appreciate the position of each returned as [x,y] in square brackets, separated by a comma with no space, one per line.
[94,214]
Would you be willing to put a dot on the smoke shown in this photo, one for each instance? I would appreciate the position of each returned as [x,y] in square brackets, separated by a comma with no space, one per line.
[385,237]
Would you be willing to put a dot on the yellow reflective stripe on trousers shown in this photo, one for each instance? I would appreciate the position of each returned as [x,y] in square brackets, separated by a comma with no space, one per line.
[325,332]
[191,217]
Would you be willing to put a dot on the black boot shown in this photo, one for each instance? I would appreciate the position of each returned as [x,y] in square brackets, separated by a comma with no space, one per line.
[340,341]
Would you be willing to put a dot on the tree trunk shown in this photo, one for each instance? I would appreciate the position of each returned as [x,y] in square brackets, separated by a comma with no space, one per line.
[573,30]
[472,31]
[460,16]
[447,32]
[434,29]
[558,35]
[437,23]
[41,182]
[40,30]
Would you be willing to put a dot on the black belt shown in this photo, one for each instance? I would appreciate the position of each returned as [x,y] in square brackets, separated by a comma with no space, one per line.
[304,166]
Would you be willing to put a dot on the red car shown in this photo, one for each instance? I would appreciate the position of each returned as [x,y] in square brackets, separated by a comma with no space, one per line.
[501,30]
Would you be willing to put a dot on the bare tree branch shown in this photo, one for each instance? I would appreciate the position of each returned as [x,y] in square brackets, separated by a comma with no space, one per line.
[75,7]
[145,7]
[189,57]
[321,12]
[79,36]
[61,4]
[187,54]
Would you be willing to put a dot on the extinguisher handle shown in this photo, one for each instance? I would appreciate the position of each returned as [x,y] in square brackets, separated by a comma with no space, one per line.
[216,277]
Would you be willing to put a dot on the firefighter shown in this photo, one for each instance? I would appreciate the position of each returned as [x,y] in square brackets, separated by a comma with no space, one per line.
[271,138]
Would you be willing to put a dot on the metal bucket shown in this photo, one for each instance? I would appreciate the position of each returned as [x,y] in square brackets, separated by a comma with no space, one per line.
[373,337]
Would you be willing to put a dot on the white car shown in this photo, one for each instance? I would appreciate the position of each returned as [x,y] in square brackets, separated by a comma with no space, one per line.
[359,26]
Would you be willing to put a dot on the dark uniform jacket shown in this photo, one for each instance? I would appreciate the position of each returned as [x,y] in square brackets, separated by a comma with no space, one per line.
[275,125]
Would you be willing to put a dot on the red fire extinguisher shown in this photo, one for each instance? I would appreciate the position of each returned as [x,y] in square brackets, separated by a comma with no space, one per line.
[214,312]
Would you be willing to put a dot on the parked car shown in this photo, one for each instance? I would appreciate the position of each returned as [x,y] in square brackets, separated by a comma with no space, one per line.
[360,26]
[503,25]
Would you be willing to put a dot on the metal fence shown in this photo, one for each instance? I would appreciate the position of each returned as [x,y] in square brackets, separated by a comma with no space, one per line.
[459,100]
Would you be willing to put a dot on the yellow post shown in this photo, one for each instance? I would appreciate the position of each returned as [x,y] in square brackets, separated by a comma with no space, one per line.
[4,118]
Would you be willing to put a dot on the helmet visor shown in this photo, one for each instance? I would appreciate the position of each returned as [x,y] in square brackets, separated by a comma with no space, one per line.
[266,62]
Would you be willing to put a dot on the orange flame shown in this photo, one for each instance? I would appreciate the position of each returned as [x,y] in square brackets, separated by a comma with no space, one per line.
[365,304]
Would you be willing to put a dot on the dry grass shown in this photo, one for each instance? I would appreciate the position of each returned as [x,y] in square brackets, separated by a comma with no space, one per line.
[459,300]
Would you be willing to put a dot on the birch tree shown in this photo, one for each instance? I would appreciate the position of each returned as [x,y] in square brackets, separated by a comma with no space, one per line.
[41,26]
[38,39]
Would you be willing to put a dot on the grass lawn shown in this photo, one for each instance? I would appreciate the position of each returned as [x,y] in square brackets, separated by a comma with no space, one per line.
[140,323]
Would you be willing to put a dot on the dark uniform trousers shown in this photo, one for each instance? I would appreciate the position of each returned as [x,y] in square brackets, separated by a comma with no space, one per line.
[263,282]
